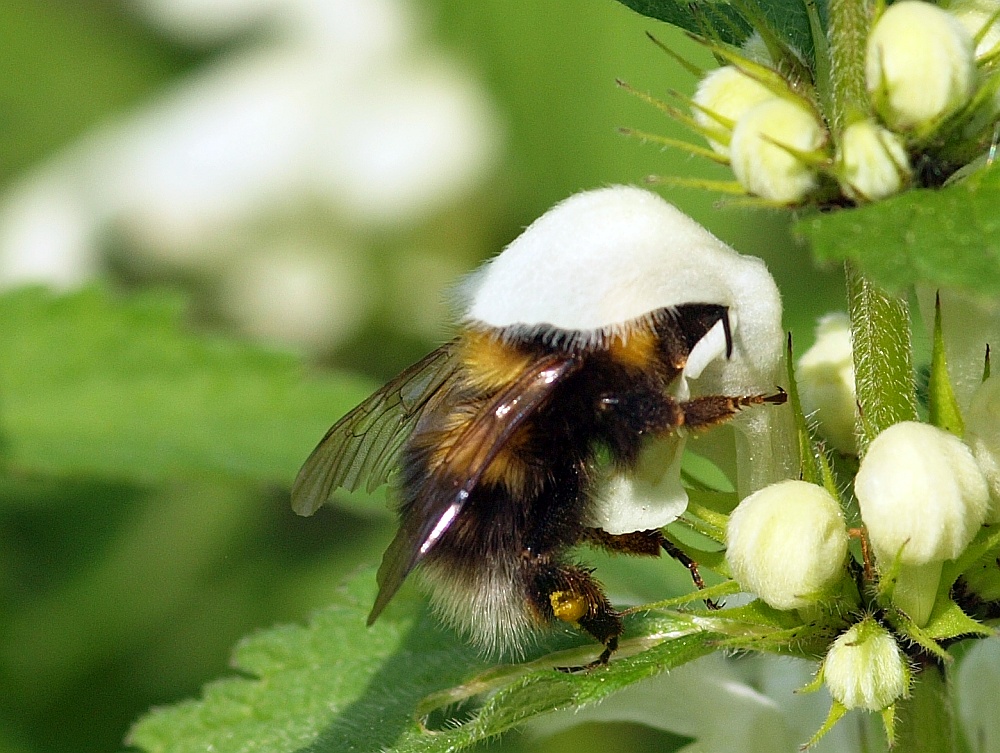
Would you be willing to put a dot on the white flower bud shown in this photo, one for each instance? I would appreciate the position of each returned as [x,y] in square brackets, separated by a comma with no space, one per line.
[865,668]
[787,543]
[921,494]
[825,376]
[982,434]
[920,65]
[728,93]
[759,160]
[872,161]
[975,15]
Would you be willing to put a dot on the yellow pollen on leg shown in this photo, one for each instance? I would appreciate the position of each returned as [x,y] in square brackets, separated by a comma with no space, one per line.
[568,606]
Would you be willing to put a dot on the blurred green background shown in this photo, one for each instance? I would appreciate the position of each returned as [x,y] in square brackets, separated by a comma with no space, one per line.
[150,430]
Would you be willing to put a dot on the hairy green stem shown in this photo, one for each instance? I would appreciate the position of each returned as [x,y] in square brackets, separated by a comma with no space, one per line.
[924,721]
[883,359]
[849,21]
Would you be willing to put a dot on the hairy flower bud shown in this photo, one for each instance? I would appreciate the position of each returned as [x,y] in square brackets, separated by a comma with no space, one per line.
[982,433]
[921,494]
[787,543]
[825,377]
[726,92]
[920,65]
[865,669]
[872,161]
[762,149]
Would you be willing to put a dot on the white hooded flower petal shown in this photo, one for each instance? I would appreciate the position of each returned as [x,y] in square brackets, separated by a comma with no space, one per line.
[760,145]
[825,377]
[607,257]
[921,494]
[920,64]
[787,543]
[865,668]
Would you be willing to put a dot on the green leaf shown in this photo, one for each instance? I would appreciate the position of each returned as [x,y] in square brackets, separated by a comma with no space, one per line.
[121,388]
[945,238]
[337,686]
[786,21]
[707,17]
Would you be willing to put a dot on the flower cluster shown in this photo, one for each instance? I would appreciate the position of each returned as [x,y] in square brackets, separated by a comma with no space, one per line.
[928,499]
[932,104]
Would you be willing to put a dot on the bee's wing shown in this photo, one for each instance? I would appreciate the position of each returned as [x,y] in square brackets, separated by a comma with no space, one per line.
[458,474]
[364,445]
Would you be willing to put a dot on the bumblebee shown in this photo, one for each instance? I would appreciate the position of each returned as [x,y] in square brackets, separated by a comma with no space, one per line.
[500,436]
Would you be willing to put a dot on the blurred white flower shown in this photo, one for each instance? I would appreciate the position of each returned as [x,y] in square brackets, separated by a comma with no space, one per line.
[982,434]
[338,108]
[47,233]
[825,375]
[979,17]
[299,295]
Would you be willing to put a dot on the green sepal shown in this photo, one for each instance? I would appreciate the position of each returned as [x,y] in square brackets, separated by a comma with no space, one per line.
[809,454]
[889,724]
[837,711]
[707,513]
[947,621]
[986,540]
[733,187]
[907,629]
[665,141]
[944,412]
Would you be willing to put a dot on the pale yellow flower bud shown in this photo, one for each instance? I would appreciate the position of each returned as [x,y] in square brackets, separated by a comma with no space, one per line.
[787,544]
[920,65]
[872,161]
[865,668]
[728,93]
[921,494]
[760,146]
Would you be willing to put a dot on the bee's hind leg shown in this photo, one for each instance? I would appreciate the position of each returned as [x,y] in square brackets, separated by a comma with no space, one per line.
[570,593]
[647,544]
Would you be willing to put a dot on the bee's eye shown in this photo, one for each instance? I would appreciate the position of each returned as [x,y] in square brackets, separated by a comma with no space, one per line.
[607,402]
